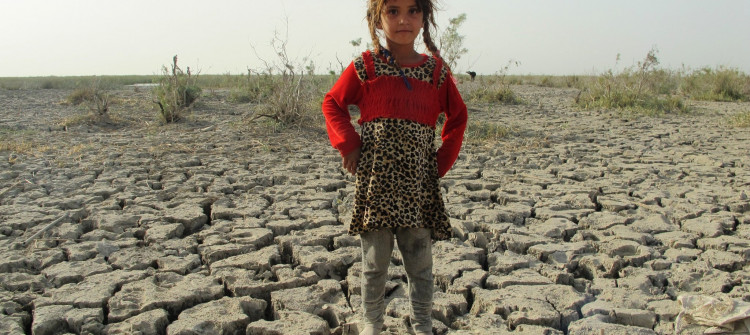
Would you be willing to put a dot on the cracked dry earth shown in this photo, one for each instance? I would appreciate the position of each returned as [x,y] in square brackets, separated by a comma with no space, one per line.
[580,222]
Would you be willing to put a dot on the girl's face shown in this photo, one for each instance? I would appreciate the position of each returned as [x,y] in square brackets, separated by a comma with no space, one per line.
[401,21]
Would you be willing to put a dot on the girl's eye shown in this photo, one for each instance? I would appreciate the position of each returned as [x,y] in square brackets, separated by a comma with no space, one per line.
[392,12]
[414,11]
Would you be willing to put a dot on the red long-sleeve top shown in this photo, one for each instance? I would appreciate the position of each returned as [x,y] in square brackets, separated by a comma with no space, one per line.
[380,92]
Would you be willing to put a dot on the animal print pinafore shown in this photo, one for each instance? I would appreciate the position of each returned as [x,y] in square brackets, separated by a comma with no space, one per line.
[397,177]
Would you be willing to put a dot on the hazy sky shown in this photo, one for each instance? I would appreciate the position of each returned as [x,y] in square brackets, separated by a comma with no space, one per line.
[108,37]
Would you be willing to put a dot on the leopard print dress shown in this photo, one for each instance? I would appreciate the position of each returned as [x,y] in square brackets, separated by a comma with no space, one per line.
[397,178]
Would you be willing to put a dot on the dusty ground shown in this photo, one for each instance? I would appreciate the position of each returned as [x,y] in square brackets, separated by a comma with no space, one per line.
[579,221]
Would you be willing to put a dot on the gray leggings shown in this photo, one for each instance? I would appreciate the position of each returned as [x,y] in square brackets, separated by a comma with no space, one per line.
[415,245]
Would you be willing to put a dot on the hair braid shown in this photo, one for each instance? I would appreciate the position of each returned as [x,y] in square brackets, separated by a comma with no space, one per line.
[374,8]
[428,9]
[429,43]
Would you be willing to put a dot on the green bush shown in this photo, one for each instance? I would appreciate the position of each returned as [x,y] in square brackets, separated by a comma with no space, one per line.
[176,93]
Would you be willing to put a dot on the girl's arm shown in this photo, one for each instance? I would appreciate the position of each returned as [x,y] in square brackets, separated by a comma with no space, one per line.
[456,115]
[347,91]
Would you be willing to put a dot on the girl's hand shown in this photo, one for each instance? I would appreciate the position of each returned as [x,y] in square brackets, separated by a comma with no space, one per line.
[351,160]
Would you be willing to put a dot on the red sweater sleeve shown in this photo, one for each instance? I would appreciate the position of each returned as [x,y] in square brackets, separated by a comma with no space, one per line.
[456,116]
[347,91]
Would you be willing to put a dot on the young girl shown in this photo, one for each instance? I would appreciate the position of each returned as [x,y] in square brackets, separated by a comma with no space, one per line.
[400,94]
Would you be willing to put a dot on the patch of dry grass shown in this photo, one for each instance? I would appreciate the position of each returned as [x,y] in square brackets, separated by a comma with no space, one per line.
[473,93]
[23,143]
[70,82]
[486,132]
[741,120]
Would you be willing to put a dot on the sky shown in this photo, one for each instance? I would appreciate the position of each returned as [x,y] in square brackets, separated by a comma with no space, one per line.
[545,37]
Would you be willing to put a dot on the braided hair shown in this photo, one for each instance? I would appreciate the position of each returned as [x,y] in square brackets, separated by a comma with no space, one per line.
[427,7]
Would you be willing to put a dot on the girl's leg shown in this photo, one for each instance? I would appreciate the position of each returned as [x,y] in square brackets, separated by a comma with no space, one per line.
[377,247]
[415,245]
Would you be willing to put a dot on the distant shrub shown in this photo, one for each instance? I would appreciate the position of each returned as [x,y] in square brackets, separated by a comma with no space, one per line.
[555,81]
[287,90]
[176,93]
[493,90]
[100,103]
[642,88]
[665,82]
[720,84]
[253,88]
[71,82]
[241,96]
[513,80]
[292,100]
[14,86]
[80,96]
[93,97]
[572,81]
[546,82]
[47,85]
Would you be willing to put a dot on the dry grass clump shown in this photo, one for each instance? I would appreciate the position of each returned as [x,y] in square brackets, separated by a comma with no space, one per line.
[21,142]
[176,93]
[643,89]
[89,119]
[546,80]
[486,132]
[94,98]
[557,81]
[80,96]
[472,92]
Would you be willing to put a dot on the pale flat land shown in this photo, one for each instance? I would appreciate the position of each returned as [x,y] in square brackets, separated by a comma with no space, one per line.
[578,220]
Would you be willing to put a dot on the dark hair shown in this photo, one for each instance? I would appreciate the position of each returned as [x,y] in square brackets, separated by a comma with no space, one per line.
[428,7]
